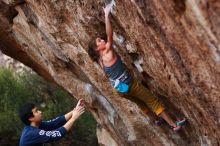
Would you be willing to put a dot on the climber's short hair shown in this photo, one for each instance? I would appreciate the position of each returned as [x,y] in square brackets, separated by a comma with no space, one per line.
[94,55]
[25,112]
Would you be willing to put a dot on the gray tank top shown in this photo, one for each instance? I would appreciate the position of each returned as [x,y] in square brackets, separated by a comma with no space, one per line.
[118,71]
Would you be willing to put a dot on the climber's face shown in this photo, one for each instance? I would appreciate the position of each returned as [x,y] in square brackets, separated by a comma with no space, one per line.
[100,43]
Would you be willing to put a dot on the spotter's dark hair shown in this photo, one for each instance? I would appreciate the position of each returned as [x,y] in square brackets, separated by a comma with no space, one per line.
[25,113]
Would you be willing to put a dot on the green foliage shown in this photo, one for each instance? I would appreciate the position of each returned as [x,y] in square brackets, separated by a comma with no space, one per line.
[17,89]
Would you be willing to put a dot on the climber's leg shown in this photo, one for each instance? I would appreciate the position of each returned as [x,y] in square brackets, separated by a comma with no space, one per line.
[167,118]
[137,90]
[140,103]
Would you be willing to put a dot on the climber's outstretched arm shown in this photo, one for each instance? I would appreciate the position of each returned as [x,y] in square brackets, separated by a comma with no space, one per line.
[108,27]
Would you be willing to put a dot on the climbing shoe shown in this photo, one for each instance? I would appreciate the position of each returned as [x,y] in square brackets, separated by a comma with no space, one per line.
[179,124]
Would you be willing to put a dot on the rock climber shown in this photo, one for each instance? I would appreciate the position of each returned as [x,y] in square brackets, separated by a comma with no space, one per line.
[102,52]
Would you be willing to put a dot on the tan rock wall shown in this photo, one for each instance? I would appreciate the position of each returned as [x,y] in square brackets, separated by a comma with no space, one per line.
[177,41]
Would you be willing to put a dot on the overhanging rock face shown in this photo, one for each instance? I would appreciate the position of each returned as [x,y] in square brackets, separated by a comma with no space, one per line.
[176,45]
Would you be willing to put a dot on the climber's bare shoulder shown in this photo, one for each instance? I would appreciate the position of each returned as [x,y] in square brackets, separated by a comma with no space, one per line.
[108,57]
